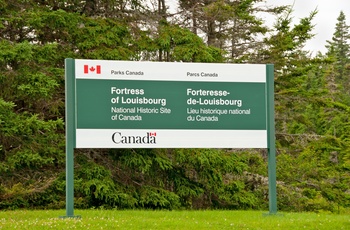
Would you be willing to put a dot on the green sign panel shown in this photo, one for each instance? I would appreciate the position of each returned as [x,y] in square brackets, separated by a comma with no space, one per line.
[127,104]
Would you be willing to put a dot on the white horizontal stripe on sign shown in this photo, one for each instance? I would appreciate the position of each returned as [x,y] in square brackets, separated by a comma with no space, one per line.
[164,138]
[169,71]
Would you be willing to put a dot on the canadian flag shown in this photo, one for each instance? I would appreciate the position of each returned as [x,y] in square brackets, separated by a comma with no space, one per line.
[92,69]
[152,134]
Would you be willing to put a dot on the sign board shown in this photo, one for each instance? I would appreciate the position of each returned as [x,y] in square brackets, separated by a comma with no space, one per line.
[122,104]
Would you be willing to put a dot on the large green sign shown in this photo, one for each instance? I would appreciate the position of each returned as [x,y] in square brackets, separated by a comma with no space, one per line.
[124,104]
[127,104]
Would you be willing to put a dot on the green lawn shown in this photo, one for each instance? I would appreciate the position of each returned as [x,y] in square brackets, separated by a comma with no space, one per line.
[115,219]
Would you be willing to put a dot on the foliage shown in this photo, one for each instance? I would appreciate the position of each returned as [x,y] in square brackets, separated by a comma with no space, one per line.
[232,26]
[33,46]
[311,100]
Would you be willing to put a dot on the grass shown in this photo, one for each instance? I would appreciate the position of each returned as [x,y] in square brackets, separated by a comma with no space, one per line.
[129,219]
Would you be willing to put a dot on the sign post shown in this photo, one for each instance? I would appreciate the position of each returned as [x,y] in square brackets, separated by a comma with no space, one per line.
[70,134]
[124,104]
[271,148]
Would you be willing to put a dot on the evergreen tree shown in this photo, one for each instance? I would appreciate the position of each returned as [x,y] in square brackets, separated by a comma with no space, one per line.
[231,25]
[339,51]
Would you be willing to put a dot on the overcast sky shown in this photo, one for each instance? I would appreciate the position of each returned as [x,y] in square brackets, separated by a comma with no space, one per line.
[325,20]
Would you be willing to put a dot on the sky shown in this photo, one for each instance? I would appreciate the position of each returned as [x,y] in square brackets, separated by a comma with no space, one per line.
[325,20]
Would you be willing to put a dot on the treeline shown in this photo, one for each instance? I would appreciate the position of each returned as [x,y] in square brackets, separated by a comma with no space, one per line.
[312,105]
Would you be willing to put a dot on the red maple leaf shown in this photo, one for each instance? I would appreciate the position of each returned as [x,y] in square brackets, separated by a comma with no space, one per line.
[153,134]
[92,69]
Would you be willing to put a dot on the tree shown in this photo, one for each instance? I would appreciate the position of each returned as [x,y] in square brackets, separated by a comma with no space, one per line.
[231,25]
[312,119]
[339,51]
